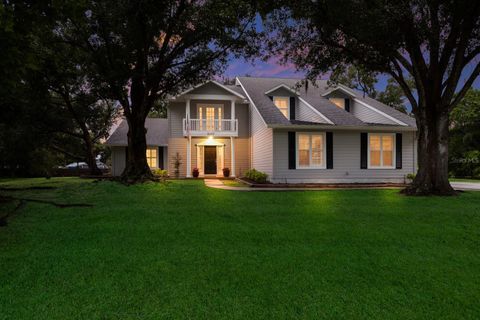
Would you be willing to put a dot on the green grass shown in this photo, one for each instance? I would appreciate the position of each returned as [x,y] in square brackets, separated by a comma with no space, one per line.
[184,251]
[464,180]
[234,183]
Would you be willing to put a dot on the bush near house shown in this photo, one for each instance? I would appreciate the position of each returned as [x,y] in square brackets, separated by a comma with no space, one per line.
[257,176]
[160,173]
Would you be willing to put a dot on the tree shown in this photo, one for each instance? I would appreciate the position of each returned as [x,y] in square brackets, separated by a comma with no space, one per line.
[77,109]
[355,77]
[464,142]
[392,96]
[434,42]
[148,50]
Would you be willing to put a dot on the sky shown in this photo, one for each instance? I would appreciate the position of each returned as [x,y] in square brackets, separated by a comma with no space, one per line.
[273,68]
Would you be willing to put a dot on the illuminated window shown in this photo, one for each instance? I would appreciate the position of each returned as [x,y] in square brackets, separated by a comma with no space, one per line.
[339,102]
[310,150]
[209,117]
[152,157]
[381,150]
[282,104]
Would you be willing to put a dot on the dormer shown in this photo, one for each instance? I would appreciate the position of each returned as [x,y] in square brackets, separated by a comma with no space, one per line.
[341,97]
[285,99]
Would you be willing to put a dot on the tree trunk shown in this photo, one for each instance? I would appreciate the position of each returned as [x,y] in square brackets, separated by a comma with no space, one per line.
[91,160]
[432,175]
[136,169]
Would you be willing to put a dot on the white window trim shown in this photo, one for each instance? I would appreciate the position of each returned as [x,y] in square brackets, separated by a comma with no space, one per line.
[288,104]
[211,105]
[156,157]
[394,147]
[324,154]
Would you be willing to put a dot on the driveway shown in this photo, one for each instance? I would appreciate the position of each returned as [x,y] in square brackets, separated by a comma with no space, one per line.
[475,186]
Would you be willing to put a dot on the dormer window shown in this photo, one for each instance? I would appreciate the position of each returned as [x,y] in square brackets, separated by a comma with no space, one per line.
[283,104]
[342,103]
[339,102]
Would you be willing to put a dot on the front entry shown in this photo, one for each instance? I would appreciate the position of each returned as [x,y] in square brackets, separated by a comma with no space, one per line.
[210,162]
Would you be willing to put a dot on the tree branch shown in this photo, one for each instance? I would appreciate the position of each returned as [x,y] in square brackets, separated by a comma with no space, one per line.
[466,86]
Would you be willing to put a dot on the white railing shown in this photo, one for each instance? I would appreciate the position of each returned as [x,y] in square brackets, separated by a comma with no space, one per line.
[210,127]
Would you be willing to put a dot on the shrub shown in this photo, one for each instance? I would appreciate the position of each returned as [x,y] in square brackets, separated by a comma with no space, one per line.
[257,176]
[160,173]
[410,177]
[226,172]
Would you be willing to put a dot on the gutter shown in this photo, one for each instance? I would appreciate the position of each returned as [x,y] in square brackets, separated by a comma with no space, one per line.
[350,128]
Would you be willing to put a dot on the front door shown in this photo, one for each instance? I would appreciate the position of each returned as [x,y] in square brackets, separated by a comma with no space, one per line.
[210,161]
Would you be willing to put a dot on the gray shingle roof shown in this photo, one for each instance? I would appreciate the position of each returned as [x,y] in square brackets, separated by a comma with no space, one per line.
[256,88]
[157,133]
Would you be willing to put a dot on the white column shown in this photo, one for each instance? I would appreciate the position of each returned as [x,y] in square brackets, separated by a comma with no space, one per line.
[232,114]
[187,109]
[232,159]
[189,157]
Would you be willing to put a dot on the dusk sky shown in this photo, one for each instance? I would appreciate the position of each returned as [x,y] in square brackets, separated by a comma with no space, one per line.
[273,68]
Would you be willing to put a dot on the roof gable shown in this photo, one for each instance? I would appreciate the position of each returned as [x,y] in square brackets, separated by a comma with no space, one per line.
[212,87]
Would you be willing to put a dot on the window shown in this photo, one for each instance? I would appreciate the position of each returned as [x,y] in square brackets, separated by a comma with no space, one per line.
[209,117]
[381,150]
[339,102]
[310,150]
[152,157]
[283,104]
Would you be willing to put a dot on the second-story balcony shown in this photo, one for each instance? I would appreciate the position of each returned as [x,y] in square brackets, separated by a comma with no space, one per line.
[210,127]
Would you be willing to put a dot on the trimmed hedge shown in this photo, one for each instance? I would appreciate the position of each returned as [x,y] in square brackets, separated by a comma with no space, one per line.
[257,176]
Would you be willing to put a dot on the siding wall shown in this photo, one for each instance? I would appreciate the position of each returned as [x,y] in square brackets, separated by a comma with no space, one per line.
[262,147]
[175,114]
[346,162]
[118,160]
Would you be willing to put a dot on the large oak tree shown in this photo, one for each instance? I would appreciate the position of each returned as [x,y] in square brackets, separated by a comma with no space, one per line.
[148,50]
[436,43]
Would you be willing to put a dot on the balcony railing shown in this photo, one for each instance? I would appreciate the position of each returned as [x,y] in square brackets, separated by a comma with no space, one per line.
[215,127]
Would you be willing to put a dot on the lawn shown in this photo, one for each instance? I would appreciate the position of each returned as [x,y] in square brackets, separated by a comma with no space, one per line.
[183,251]
[464,180]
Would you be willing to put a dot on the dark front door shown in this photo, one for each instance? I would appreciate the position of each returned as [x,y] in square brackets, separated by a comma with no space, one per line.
[210,160]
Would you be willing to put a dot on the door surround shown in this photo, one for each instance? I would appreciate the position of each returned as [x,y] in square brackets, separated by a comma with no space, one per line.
[220,155]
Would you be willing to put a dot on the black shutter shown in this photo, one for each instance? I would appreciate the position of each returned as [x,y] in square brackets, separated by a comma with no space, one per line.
[160,158]
[363,150]
[347,105]
[292,162]
[329,150]
[292,108]
[271,97]
[398,150]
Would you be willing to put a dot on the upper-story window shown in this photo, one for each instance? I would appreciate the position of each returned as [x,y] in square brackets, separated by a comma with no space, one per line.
[283,104]
[339,102]
[210,117]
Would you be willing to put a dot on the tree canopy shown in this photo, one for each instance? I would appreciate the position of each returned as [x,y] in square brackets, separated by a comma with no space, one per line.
[430,41]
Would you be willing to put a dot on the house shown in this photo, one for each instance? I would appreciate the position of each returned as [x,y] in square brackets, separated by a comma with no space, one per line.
[295,134]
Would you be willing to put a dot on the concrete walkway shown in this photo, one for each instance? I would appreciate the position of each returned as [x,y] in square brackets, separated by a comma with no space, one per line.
[467,186]
[217,184]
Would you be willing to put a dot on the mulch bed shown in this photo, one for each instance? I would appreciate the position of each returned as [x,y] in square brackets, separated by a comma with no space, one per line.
[254,184]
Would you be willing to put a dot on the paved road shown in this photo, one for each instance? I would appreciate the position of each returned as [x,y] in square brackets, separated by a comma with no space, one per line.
[466,186]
